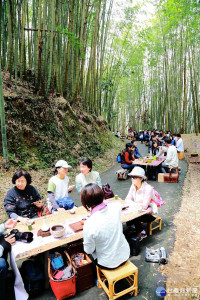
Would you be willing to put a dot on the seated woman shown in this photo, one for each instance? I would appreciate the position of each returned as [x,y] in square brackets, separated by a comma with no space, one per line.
[140,195]
[87,175]
[5,246]
[155,150]
[58,185]
[23,201]
[102,231]
[128,157]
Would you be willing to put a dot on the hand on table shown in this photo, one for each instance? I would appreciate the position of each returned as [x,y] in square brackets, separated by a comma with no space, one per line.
[10,224]
[23,220]
[10,239]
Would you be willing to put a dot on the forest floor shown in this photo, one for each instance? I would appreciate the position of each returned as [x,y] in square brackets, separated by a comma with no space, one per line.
[183,269]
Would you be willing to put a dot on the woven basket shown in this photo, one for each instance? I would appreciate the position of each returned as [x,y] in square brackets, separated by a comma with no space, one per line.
[62,288]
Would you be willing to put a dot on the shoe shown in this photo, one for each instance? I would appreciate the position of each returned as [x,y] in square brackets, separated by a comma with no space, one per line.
[142,235]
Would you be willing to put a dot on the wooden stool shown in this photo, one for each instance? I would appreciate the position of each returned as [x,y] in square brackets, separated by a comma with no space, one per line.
[159,225]
[181,155]
[128,271]
[122,174]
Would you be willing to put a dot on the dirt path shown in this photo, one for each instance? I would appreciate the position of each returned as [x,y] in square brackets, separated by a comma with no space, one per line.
[183,269]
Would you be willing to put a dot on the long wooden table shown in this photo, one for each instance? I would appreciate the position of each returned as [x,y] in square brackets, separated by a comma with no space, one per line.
[148,161]
[61,218]
[22,250]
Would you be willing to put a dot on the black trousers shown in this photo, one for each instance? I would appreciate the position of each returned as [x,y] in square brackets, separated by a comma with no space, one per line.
[138,222]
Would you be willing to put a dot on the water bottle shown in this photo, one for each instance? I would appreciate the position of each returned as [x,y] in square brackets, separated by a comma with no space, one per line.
[163,256]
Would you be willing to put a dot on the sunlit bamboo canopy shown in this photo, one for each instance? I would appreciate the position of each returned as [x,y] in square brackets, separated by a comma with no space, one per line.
[135,72]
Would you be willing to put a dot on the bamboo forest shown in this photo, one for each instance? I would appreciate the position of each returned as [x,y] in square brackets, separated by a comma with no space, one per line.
[132,62]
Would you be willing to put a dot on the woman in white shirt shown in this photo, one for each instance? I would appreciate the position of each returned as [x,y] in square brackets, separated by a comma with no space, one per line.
[58,185]
[87,175]
[102,232]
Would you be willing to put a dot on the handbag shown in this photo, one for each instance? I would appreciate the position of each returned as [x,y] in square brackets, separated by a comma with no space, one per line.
[171,177]
[43,211]
[108,193]
[66,203]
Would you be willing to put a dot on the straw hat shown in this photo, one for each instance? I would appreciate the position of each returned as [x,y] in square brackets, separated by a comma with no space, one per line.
[138,171]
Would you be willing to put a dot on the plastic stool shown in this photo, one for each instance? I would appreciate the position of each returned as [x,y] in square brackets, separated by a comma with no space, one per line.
[159,225]
[128,271]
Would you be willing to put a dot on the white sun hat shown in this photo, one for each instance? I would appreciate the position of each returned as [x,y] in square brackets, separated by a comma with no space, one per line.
[138,171]
[62,163]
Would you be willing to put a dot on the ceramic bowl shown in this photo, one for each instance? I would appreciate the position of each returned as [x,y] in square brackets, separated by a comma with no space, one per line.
[57,231]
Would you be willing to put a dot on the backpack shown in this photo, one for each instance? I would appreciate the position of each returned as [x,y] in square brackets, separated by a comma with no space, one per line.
[119,158]
[33,277]
[155,202]
[157,199]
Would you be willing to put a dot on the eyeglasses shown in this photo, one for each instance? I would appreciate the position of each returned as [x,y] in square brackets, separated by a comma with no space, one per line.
[134,177]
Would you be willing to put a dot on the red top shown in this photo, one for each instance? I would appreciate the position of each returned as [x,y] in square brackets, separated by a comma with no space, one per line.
[127,158]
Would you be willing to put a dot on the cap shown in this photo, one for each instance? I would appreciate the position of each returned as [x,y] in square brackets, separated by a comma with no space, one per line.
[62,163]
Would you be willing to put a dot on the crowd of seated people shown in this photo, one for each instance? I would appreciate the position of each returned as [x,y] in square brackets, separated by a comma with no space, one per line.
[23,201]
[159,143]
[170,144]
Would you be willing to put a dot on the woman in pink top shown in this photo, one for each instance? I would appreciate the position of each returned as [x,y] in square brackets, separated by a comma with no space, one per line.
[140,195]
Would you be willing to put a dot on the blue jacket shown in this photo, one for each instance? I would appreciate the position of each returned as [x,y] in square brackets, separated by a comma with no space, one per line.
[137,153]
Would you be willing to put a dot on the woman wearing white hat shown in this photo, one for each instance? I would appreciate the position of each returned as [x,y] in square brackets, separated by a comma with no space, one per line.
[58,185]
[140,194]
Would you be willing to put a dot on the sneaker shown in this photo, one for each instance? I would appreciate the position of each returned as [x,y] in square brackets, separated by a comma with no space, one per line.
[142,235]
